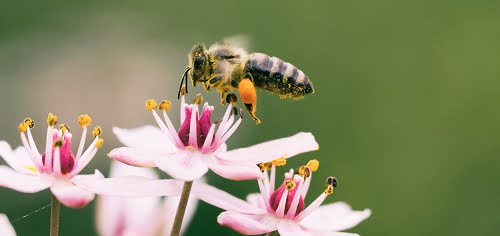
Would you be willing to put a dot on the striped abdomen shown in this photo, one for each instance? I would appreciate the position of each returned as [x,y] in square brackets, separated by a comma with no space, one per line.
[275,75]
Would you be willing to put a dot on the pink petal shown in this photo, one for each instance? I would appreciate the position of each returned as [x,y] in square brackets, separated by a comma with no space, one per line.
[18,159]
[128,215]
[146,137]
[289,228]
[255,199]
[129,186]
[223,200]
[135,157]
[274,149]
[6,228]
[235,170]
[22,182]
[186,165]
[246,224]
[337,216]
[71,195]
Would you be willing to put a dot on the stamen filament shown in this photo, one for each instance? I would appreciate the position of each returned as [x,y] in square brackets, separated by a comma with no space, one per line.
[314,205]
[32,142]
[48,149]
[272,181]
[264,194]
[280,211]
[208,140]
[56,170]
[295,202]
[31,154]
[228,134]
[193,132]
[84,161]
[223,123]
[183,105]
[171,129]
[82,143]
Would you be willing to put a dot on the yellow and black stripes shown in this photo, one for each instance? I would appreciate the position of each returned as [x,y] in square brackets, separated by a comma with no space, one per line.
[275,75]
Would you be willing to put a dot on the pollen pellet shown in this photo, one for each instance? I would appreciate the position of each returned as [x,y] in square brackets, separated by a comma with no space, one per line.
[247,91]
[97,131]
[84,120]
[30,122]
[151,104]
[165,105]
[52,119]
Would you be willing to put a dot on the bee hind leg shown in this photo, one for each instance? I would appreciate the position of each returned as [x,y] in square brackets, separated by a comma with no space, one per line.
[248,95]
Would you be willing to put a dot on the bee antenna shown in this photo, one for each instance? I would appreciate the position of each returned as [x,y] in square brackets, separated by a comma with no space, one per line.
[183,80]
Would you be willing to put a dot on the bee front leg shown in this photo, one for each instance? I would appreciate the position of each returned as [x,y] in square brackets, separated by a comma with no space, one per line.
[248,95]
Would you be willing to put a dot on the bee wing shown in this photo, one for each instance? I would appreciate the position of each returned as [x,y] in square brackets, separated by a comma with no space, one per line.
[238,40]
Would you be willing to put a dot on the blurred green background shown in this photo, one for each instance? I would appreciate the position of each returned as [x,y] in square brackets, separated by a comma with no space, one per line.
[405,110]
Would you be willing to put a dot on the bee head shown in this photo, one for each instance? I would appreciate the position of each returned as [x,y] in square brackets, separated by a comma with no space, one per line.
[199,61]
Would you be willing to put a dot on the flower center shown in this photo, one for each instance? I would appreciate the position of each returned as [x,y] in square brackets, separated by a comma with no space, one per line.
[203,124]
[66,154]
[291,186]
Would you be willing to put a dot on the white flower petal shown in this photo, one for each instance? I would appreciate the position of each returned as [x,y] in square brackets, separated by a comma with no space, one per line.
[22,182]
[274,149]
[255,199]
[138,215]
[235,170]
[185,165]
[223,200]
[337,216]
[71,195]
[246,224]
[129,186]
[136,157]
[18,159]
[6,228]
[146,137]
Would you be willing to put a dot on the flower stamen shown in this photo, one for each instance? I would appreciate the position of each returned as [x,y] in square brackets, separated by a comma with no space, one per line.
[84,120]
[165,105]
[96,132]
[151,104]
[52,120]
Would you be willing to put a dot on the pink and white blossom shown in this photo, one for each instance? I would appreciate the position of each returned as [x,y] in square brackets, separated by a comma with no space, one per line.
[6,228]
[199,144]
[31,171]
[283,209]
[138,216]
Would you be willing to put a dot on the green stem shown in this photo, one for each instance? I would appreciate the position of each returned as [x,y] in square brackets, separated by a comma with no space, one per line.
[181,209]
[54,216]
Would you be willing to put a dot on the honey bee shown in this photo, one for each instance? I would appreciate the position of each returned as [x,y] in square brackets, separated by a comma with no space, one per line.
[225,67]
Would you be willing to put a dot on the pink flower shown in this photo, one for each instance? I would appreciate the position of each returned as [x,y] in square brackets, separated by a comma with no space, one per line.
[30,171]
[6,228]
[199,144]
[283,209]
[137,216]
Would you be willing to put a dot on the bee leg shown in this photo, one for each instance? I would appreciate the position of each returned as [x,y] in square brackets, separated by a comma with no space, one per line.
[206,86]
[248,95]
[223,95]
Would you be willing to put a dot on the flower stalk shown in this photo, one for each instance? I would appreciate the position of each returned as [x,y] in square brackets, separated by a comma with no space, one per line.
[181,209]
[54,216]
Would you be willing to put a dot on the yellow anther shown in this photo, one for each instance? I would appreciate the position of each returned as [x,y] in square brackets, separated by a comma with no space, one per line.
[183,90]
[198,99]
[304,171]
[99,143]
[52,120]
[64,128]
[151,104]
[58,143]
[97,131]
[165,105]
[264,166]
[329,190]
[279,162]
[313,165]
[30,122]
[290,185]
[84,120]
[22,127]
[231,98]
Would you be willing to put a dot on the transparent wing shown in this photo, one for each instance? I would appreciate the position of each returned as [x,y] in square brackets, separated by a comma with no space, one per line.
[238,41]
